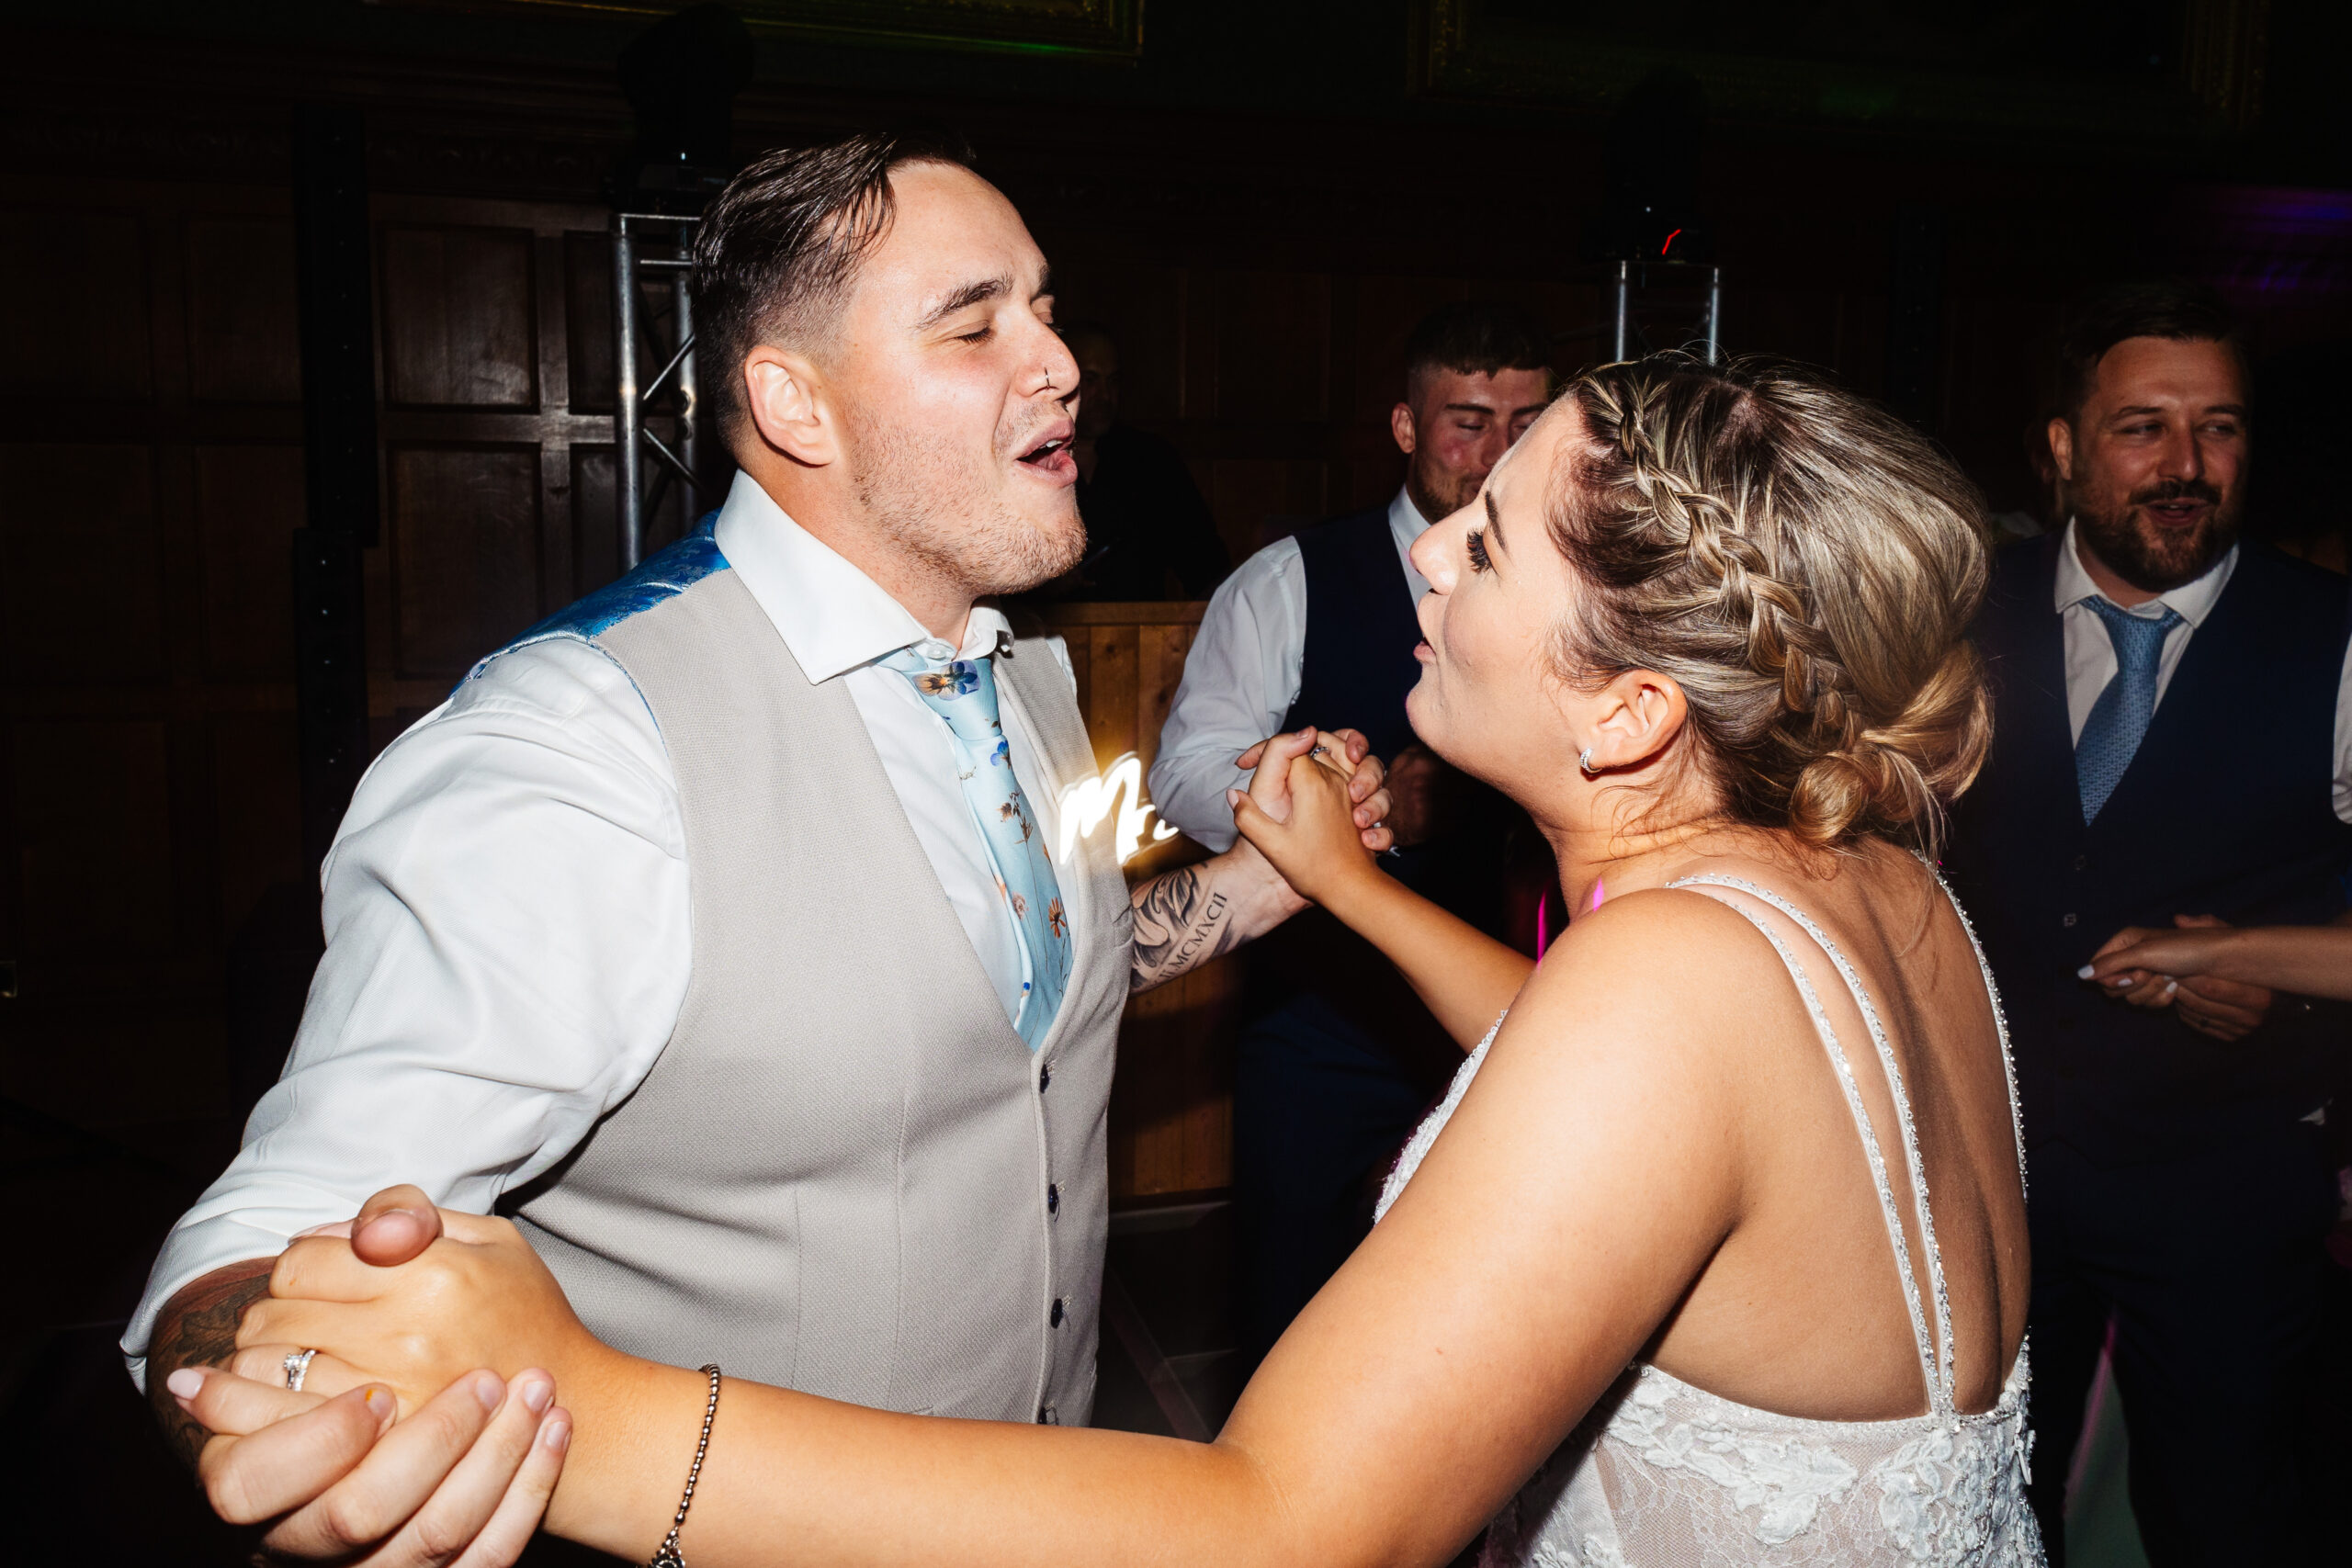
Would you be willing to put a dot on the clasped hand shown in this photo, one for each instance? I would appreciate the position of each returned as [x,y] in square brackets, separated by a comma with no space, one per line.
[401,1448]
[2154,968]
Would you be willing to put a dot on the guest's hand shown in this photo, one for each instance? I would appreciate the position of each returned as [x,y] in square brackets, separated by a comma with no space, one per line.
[1347,753]
[464,1480]
[2154,967]
[1318,846]
[476,1296]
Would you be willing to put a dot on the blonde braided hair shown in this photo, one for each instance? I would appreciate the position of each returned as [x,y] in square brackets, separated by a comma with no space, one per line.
[1804,566]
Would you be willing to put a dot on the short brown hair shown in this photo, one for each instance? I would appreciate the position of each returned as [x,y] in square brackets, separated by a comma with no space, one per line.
[2171,308]
[775,255]
[1476,338]
[1804,566]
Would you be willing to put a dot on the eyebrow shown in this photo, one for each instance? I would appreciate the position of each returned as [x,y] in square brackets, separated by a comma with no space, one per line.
[2143,409]
[970,293]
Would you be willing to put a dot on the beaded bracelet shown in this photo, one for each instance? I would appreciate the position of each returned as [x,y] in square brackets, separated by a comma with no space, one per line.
[669,1555]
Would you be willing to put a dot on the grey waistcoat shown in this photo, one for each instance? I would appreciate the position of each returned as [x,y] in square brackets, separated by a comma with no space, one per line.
[845,1173]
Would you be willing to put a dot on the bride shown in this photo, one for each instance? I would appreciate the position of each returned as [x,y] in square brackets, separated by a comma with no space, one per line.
[1714,1253]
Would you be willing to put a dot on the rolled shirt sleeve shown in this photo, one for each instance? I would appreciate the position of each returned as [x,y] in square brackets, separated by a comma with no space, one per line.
[1240,677]
[507,948]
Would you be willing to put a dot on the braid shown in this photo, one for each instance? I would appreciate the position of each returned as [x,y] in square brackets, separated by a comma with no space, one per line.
[1690,508]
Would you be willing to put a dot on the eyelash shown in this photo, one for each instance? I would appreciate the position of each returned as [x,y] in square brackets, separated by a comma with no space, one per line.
[1476,545]
[980,336]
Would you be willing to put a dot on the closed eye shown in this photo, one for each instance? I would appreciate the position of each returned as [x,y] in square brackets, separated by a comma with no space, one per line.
[1476,544]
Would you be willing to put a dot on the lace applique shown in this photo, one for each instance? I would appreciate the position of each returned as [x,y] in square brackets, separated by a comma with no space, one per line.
[1783,1480]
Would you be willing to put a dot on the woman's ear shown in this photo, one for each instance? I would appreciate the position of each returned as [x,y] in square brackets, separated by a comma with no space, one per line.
[785,395]
[1640,713]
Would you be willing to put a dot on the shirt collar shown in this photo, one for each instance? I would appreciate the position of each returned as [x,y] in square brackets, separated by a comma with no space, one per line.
[2192,600]
[832,616]
[1406,524]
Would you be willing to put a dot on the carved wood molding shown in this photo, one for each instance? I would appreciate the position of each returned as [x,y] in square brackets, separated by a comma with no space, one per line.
[1108,30]
[1474,49]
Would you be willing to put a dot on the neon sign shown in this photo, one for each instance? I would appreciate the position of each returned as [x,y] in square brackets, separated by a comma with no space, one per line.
[1085,805]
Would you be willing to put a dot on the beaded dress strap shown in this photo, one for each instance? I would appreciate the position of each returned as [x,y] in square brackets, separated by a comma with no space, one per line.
[2000,1019]
[1935,1370]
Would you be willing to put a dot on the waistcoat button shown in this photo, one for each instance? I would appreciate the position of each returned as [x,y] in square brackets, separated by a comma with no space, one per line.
[1045,1077]
[2082,862]
[1055,1318]
[1048,1416]
[2069,921]
[1053,1199]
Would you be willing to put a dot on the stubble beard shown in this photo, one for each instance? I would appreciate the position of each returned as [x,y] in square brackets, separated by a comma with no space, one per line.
[923,493]
[2154,559]
[1427,493]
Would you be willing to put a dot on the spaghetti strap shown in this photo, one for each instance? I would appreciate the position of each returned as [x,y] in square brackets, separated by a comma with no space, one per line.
[1936,1368]
[2000,1019]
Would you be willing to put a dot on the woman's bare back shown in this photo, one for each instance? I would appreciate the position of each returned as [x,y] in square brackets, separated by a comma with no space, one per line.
[1803,1309]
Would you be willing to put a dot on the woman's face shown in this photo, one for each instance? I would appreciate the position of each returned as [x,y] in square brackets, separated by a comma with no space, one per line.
[1488,701]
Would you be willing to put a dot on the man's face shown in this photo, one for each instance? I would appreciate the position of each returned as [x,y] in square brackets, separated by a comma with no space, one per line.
[953,388]
[1098,387]
[1456,428]
[2154,460]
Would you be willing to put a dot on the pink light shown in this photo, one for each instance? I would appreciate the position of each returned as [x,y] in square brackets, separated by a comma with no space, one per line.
[1598,888]
[1542,924]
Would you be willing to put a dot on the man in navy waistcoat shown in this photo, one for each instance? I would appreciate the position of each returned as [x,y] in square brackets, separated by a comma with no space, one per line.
[2169,743]
[1338,1058]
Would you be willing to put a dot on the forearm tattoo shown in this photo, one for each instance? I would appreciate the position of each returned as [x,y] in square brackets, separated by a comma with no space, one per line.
[199,1329]
[1182,922]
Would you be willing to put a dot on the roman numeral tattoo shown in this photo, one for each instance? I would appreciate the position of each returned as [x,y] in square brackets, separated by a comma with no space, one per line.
[1181,924]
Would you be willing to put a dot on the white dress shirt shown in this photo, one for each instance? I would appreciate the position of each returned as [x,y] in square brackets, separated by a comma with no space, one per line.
[506,913]
[1241,676]
[2090,651]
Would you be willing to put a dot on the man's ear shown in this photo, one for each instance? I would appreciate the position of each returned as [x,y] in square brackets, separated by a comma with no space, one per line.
[2061,447]
[1400,425]
[786,396]
[1641,713]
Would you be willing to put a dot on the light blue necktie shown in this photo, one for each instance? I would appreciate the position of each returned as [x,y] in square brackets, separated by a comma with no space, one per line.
[963,692]
[2111,734]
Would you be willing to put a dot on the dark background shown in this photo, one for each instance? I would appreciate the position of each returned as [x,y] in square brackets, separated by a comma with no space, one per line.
[1261,201]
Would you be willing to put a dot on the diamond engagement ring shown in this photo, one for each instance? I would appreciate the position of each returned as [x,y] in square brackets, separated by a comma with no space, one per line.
[298,1366]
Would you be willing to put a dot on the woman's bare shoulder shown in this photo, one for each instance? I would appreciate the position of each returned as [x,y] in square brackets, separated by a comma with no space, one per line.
[1663,971]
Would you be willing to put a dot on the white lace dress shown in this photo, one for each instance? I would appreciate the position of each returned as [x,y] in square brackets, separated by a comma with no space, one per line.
[1664,1475]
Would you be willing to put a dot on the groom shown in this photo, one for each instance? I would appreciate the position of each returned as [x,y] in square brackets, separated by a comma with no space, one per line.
[722,929]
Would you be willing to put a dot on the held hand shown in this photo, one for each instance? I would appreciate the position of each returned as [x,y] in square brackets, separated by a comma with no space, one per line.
[1367,779]
[1318,848]
[477,1296]
[2156,968]
[465,1481]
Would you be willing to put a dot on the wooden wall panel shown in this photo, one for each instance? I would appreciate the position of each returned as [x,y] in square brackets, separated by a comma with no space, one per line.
[459,318]
[78,326]
[81,566]
[588,314]
[258,810]
[1171,1106]
[1273,344]
[93,815]
[1258,499]
[248,503]
[464,526]
[243,339]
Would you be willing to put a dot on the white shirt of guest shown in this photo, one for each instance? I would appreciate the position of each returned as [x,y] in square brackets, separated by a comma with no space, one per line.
[1241,676]
[2090,651]
[505,907]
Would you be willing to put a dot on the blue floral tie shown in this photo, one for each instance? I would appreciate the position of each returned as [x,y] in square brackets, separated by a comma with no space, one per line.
[963,694]
[2111,734]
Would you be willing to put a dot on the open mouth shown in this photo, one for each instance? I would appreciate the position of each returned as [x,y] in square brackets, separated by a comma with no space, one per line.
[1049,457]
